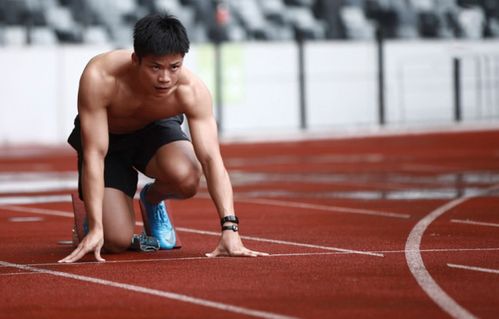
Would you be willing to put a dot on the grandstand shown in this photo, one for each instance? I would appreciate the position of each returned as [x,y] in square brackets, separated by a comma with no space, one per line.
[51,22]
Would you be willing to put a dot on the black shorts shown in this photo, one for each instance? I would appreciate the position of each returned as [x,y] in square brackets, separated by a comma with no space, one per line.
[130,152]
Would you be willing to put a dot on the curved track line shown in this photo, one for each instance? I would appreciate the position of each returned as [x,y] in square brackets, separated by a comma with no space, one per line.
[418,269]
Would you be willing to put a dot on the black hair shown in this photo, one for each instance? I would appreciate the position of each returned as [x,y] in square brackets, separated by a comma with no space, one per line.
[159,34]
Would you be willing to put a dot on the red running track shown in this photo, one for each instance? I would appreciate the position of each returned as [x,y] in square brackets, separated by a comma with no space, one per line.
[376,227]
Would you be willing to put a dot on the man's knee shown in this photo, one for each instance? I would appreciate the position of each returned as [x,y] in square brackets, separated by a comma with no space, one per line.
[180,181]
[188,181]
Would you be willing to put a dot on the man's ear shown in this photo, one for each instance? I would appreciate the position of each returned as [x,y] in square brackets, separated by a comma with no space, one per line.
[135,59]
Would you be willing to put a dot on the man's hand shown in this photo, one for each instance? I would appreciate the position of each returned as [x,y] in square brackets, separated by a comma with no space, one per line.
[231,245]
[93,241]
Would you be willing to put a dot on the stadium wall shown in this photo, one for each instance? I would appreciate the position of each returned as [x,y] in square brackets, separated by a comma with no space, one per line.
[260,89]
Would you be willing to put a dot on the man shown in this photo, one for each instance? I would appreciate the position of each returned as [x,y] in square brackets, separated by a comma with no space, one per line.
[130,108]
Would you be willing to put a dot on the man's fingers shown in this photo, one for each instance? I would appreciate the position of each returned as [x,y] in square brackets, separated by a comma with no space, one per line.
[259,253]
[70,256]
[217,252]
[74,256]
[97,255]
[247,253]
[250,253]
[81,251]
[238,253]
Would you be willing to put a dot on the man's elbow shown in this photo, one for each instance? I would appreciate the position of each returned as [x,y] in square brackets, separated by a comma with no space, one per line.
[94,156]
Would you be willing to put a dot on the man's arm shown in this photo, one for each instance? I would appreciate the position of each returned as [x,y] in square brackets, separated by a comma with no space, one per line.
[203,129]
[95,139]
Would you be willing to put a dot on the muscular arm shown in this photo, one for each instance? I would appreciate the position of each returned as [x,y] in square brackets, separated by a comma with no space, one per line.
[204,135]
[94,133]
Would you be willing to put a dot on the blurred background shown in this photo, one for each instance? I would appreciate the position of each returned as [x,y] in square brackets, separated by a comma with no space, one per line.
[273,66]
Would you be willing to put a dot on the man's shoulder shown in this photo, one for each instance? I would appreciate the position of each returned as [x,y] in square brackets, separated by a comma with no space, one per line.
[108,64]
[193,83]
[193,95]
[113,55]
[192,88]
[104,69]
[101,75]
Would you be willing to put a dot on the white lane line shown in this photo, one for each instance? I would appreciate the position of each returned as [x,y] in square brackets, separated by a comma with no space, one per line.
[127,261]
[337,209]
[30,186]
[203,258]
[172,259]
[40,211]
[18,273]
[445,250]
[154,292]
[283,242]
[418,269]
[19,200]
[291,159]
[473,222]
[430,168]
[197,231]
[480,269]
[25,219]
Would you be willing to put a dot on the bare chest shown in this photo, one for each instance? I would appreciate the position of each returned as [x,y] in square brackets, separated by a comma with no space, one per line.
[128,114]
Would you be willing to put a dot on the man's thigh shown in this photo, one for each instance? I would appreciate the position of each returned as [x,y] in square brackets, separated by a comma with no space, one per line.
[163,146]
[172,161]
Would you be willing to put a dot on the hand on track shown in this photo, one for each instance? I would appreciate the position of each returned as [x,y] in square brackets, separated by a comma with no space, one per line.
[231,245]
[93,241]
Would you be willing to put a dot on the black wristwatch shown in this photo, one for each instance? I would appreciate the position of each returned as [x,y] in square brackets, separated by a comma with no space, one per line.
[232,227]
[230,218]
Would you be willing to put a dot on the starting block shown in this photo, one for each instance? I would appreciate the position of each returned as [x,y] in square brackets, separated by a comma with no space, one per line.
[80,226]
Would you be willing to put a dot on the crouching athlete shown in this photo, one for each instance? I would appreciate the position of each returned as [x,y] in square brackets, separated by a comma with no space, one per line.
[130,109]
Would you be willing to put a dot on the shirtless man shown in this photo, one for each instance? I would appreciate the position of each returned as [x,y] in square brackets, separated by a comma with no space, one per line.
[130,108]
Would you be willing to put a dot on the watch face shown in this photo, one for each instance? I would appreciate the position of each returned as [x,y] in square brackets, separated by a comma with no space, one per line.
[235,228]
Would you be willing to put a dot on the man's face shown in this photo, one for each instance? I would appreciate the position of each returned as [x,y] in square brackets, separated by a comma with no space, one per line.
[159,74]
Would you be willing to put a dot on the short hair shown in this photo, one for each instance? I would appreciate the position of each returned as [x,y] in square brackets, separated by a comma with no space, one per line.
[159,34]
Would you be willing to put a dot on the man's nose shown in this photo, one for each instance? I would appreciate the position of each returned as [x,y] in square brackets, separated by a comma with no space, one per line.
[164,77]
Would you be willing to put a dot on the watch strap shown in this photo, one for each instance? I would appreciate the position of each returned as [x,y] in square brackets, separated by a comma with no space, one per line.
[230,218]
[232,227]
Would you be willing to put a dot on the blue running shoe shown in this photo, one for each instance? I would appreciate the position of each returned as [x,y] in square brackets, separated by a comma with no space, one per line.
[156,221]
